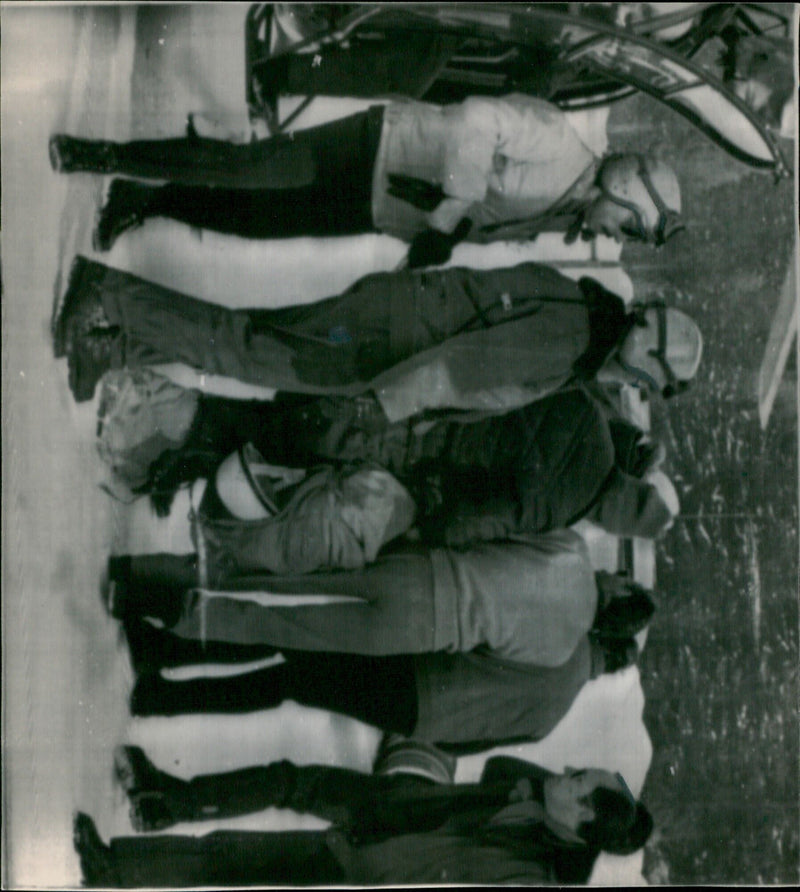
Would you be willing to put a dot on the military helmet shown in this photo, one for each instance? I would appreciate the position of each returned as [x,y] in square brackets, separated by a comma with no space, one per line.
[649,189]
[676,354]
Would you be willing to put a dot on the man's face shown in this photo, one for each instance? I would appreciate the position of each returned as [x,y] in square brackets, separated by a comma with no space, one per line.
[636,352]
[567,796]
[605,217]
[754,93]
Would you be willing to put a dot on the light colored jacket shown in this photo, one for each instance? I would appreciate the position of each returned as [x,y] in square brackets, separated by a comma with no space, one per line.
[498,159]
[530,599]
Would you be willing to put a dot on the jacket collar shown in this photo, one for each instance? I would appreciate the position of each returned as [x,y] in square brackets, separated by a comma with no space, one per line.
[609,324]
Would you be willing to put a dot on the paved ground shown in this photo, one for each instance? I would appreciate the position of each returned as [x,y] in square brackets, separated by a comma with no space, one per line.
[108,72]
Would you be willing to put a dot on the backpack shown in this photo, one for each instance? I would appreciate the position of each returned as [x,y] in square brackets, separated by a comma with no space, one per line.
[141,414]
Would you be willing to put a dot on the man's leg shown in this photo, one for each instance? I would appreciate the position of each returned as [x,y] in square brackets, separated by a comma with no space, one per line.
[149,585]
[152,649]
[367,68]
[380,691]
[341,153]
[394,613]
[226,858]
[250,213]
[297,348]
[340,343]
[340,795]
[313,182]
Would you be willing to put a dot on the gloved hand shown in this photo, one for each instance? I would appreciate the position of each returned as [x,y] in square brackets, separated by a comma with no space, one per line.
[433,248]
[369,414]
[430,248]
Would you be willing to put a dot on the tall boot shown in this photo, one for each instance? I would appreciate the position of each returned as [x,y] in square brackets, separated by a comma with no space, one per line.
[150,585]
[70,154]
[159,800]
[89,358]
[82,330]
[152,649]
[226,858]
[97,862]
[128,205]
[264,689]
[81,309]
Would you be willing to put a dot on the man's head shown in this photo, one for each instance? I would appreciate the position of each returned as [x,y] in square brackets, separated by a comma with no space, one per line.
[596,807]
[624,607]
[662,350]
[637,198]
[760,70]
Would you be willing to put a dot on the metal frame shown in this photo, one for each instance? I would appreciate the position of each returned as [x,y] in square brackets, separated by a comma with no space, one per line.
[502,21]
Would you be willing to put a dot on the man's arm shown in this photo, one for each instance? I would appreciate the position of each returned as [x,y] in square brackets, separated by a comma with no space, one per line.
[481,129]
[508,768]
[433,247]
[482,132]
[458,506]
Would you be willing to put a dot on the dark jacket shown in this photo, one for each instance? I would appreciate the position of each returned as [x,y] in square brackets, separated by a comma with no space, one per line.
[406,830]
[389,830]
[534,469]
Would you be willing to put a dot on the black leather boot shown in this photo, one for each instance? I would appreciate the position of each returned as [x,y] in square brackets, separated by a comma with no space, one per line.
[81,311]
[127,205]
[262,689]
[89,359]
[152,585]
[157,800]
[97,863]
[70,154]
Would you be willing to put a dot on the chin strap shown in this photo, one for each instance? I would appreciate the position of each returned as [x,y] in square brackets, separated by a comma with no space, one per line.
[669,222]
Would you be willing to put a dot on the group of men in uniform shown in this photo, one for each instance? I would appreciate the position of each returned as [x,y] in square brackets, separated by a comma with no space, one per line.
[466,418]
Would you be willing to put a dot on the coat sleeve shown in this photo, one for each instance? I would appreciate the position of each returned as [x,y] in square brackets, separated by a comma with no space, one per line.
[507,768]
[477,505]
[483,131]
[336,519]
[526,352]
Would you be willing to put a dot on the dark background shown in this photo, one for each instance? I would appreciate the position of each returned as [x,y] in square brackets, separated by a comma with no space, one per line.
[720,667]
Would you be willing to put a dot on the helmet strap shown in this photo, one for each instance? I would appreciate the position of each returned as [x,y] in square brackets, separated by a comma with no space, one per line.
[674,385]
[668,222]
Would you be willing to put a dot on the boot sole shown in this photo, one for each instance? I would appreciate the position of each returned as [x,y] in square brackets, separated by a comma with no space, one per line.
[100,242]
[80,274]
[125,768]
[56,162]
[57,326]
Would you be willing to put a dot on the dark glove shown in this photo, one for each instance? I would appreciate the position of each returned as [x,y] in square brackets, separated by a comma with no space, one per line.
[422,194]
[430,248]
[369,414]
[433,248]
